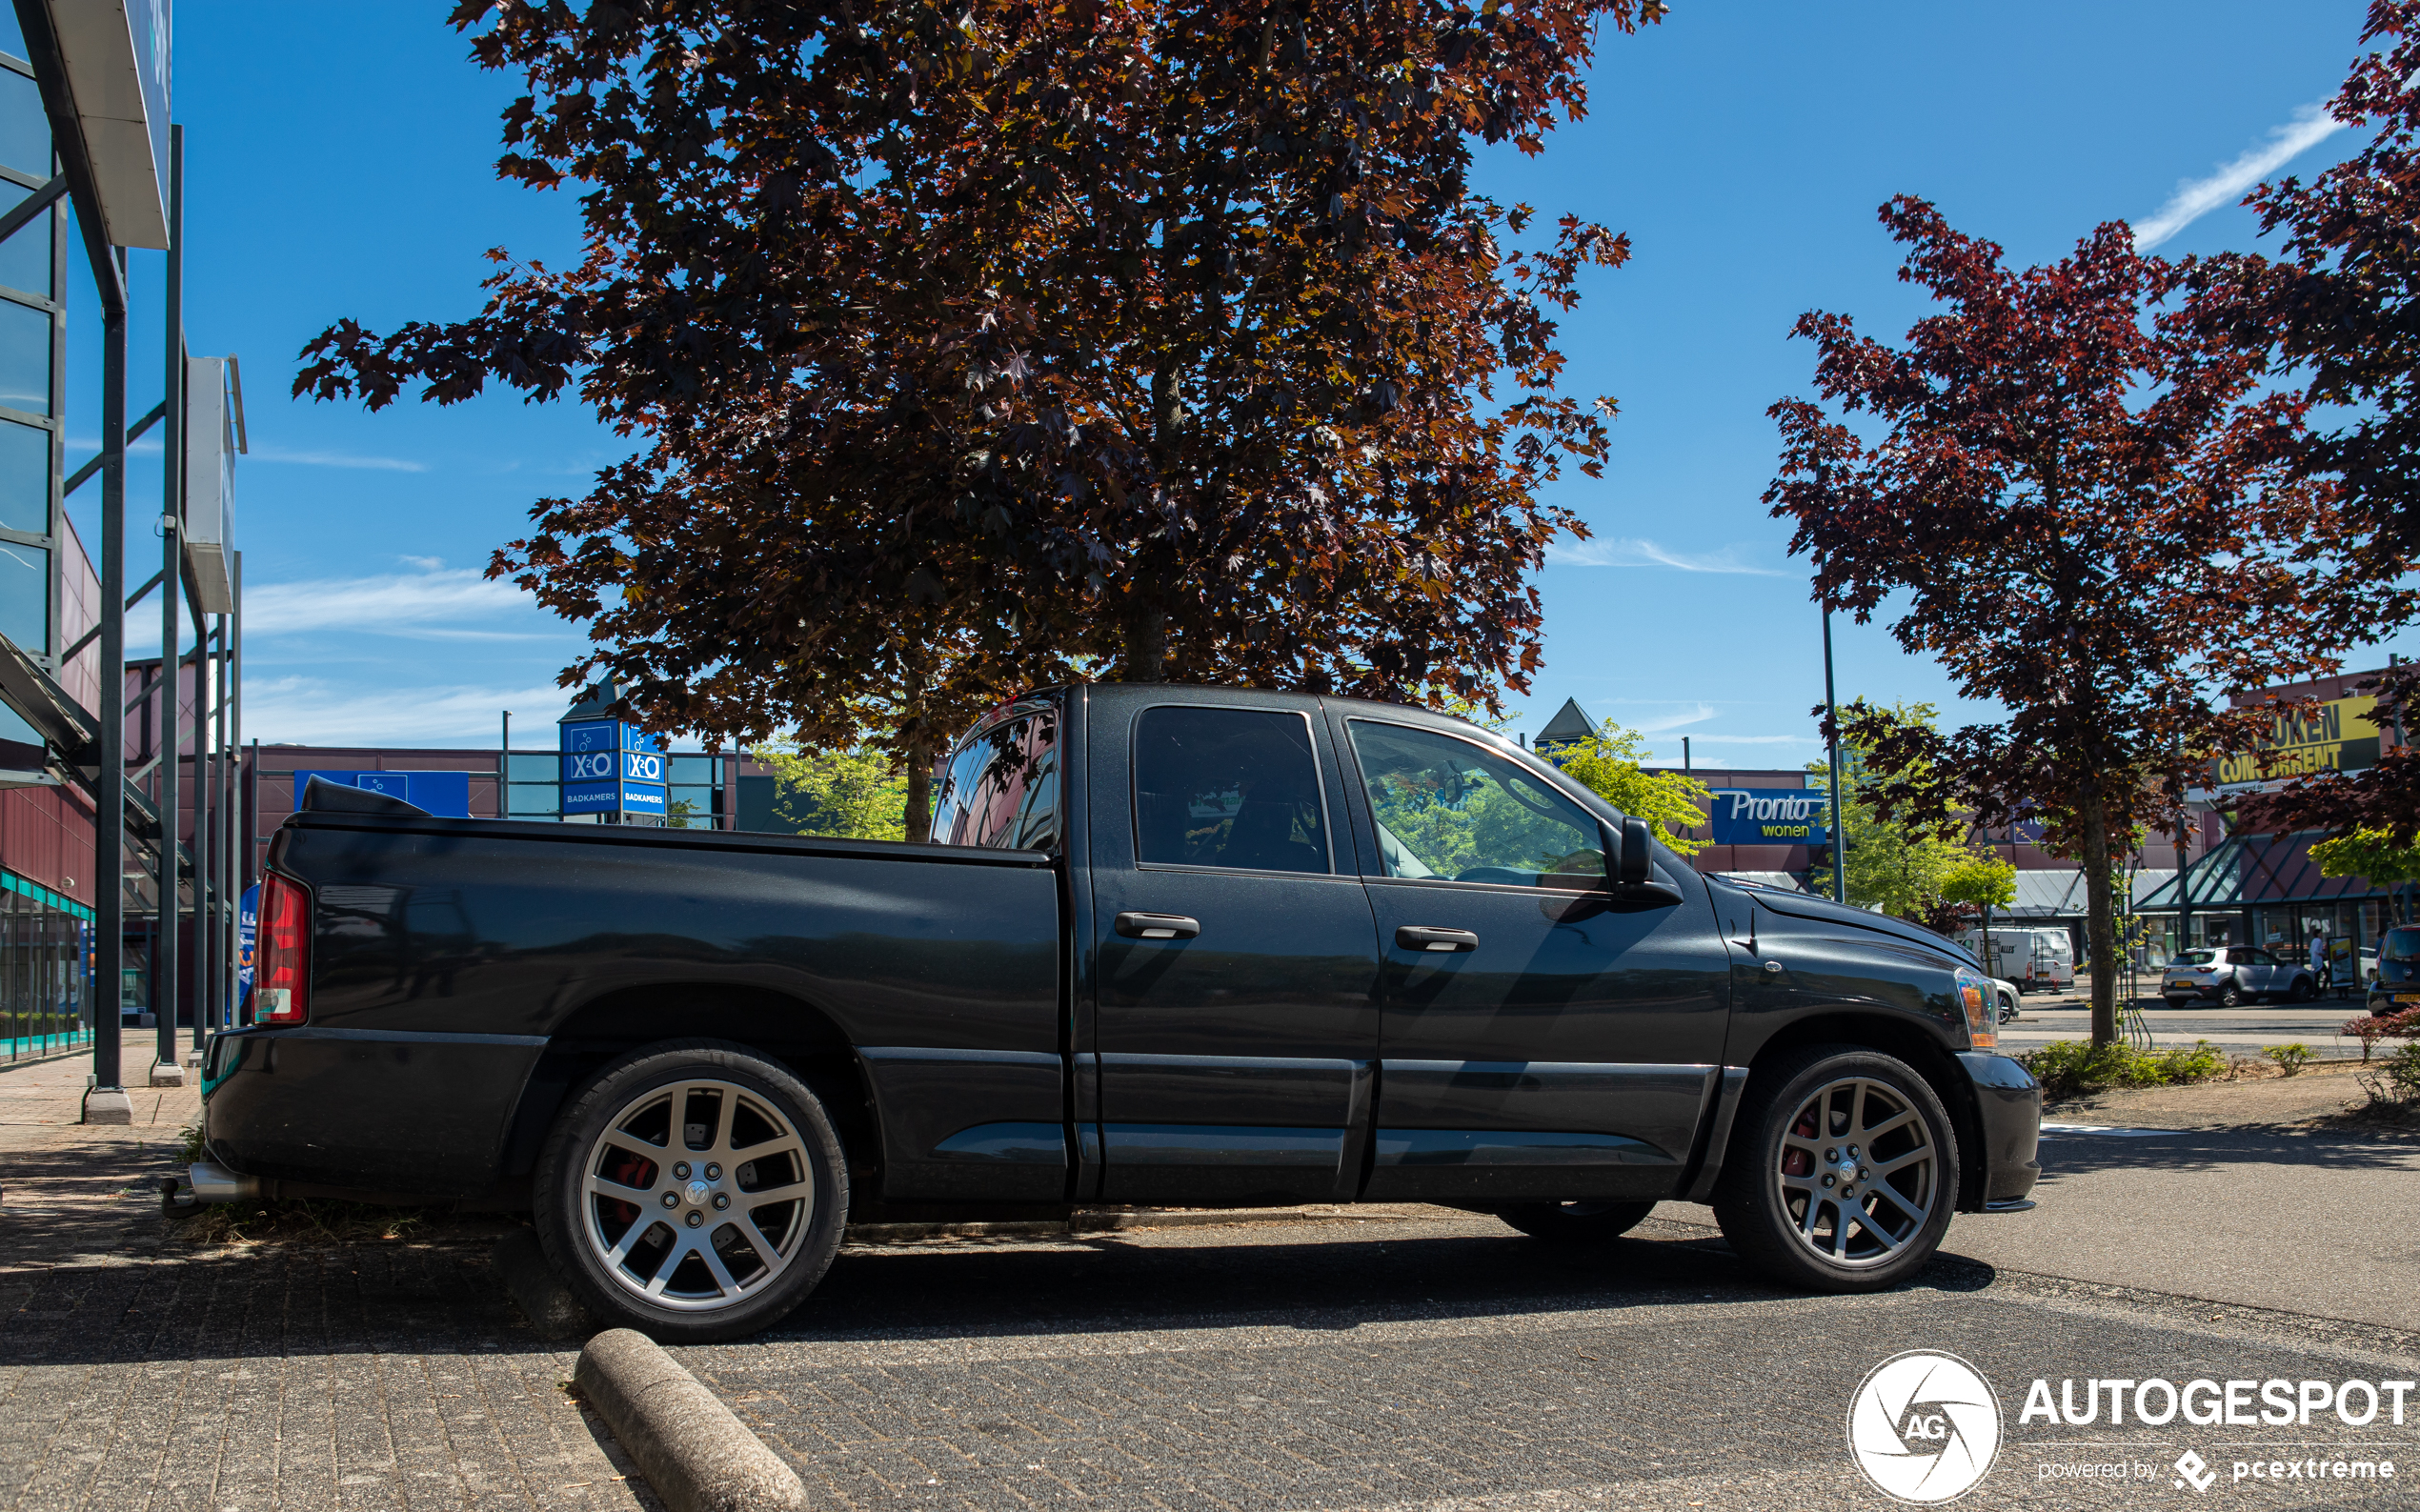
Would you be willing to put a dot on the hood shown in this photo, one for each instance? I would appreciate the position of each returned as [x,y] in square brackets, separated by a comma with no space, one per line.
[1823,911]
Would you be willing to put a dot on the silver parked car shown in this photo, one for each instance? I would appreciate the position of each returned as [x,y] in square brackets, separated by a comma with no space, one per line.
[2233,974]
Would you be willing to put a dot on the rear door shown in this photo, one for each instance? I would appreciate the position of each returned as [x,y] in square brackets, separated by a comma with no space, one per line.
[1539,1039]
[1234,1025]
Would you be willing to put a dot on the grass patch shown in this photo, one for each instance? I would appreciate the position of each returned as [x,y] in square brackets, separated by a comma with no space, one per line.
[2072,1068]
[188,1144]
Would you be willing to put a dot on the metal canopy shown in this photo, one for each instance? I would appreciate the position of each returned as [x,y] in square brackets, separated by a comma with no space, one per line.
[2252,868]
[116,56]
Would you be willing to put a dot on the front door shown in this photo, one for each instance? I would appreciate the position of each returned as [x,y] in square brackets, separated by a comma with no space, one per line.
[1236,1024]
[1539,1039]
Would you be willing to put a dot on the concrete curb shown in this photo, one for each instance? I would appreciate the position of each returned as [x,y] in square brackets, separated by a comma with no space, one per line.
[696,1455]
[537,1290]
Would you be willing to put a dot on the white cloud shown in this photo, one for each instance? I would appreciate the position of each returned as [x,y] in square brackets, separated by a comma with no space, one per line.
[311,711]
[2197,197]
[429,604]
[375,464]
[427,564]
[1674,721]
[1622,550]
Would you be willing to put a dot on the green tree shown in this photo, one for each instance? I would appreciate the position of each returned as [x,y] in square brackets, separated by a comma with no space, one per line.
[1610,766]
[857,795]
[1895,861]
[1981,881]
[2376,854]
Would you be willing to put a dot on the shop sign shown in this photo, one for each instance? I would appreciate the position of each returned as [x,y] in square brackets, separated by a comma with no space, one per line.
[1771,815]
[2337,735]
[611,766]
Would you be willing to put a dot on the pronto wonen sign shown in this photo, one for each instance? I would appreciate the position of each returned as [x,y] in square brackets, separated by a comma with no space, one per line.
[2335,736]
[1771,815]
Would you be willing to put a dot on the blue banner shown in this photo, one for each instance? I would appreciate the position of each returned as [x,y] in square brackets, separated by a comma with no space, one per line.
[1772,817]
[445,794]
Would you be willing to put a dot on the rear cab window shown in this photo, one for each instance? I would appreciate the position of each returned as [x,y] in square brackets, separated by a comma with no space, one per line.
[1000,788]
[1231,788]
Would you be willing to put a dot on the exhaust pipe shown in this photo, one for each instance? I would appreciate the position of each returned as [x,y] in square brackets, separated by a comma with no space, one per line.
[213,1182]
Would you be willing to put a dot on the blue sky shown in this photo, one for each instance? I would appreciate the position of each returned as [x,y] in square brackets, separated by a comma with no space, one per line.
[340,162]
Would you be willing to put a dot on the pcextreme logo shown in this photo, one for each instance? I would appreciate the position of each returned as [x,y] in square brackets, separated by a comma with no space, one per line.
[1925,1426]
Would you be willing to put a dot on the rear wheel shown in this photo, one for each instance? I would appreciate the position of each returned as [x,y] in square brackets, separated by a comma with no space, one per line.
[2305,989]
[1843,1172]
[1575,1222]
[694,1192]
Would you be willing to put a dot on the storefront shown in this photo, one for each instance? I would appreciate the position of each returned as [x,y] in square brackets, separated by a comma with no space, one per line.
[2265,891]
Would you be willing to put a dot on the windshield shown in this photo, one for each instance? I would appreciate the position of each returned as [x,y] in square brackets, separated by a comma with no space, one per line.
[2194,958]
[2401,943]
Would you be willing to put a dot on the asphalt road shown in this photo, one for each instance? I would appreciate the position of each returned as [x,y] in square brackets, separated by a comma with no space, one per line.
[2238,1031]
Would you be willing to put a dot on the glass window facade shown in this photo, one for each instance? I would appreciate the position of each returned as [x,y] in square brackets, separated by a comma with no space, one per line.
[25,358]
[694,795]
[45,948]
[25,131]
[24,258]
[25,478]
[25,596]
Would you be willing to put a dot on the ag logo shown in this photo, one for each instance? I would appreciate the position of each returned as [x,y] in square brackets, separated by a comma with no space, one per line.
[1925,1426]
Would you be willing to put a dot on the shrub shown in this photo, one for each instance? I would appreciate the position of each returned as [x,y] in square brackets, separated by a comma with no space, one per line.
[2070,1068]
[2370,1028]
[2290,1058]
[2401,1071]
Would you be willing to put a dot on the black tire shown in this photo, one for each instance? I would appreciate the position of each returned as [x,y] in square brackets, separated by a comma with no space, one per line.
[1575,1222]
[2230,996]
[687,1227]
[1876,1240]
[2305,989]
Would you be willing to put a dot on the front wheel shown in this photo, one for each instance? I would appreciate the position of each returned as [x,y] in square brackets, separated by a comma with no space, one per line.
[1842,1173]
[1575,1222]
[2230,995]
[692,1191]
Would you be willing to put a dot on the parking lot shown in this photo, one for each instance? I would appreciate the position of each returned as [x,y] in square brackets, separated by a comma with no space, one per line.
[1424,1360]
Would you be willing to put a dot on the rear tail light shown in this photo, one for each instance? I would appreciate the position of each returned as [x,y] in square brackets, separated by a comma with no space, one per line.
[282,976]
[1983,1024]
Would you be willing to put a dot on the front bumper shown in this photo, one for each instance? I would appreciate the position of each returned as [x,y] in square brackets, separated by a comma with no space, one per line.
[2008,1104]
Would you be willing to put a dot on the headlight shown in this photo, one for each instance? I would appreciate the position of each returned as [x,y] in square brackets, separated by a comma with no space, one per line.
[1974,996]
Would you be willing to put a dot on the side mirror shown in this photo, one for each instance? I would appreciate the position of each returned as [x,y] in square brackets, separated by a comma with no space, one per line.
[1635,862]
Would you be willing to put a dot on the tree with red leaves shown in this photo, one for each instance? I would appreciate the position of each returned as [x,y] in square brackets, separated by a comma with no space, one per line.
[2088,508]
[2341,308]
[974,348]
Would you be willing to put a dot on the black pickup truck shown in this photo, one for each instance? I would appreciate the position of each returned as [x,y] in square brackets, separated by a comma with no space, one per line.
[1166,945]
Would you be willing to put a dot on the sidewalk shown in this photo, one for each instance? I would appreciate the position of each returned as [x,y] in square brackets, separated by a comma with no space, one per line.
[138,1369]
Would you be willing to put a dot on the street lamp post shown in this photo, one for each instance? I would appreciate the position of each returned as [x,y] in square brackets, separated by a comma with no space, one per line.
[1832,704]
[1831,708]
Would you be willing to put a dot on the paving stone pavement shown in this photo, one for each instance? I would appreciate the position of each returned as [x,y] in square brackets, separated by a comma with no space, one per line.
[138,1371]
[1449,1364]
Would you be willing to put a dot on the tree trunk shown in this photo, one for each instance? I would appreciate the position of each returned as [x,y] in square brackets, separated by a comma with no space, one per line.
[1146,646]
[917,821]
[2100,920]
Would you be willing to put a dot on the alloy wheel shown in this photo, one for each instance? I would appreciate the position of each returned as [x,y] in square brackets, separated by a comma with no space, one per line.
[697,1195]
[1859,1172]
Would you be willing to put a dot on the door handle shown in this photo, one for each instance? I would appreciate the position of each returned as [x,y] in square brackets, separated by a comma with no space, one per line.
[1158,926]
[1420,937]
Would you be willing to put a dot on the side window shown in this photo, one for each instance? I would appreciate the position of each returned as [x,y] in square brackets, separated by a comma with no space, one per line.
[1228,787]
[1449,810]
[1000,788]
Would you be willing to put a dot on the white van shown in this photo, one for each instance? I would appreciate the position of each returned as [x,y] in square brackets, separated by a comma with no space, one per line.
[2035,959]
